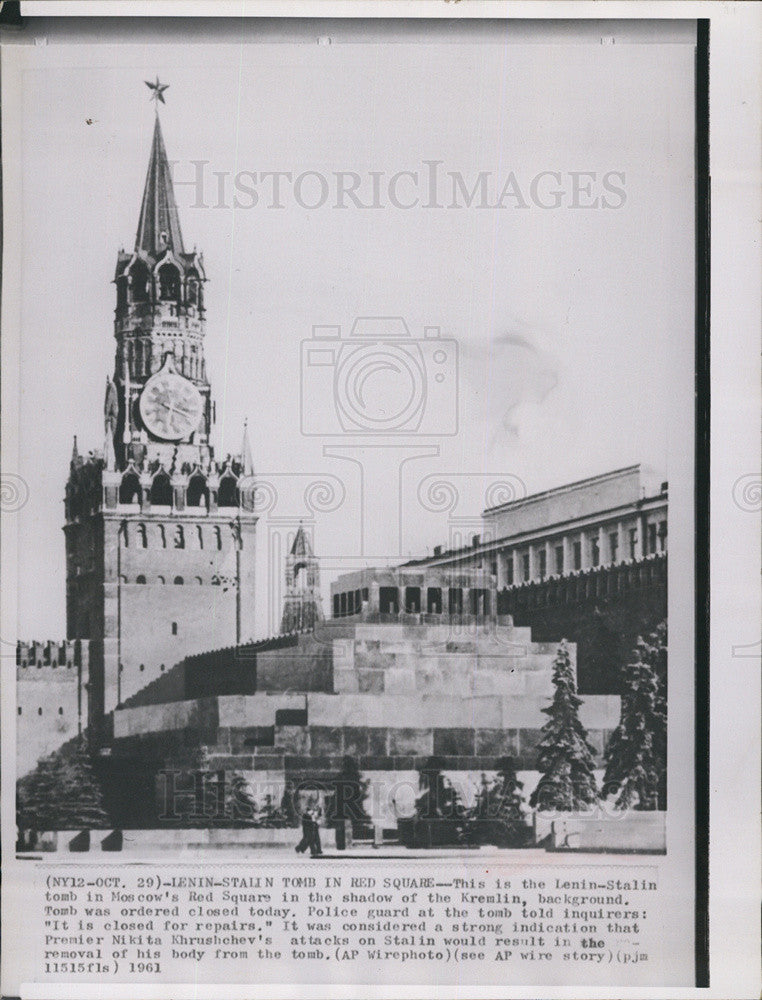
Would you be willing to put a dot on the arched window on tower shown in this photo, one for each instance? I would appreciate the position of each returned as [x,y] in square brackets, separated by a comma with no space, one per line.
[169,283]
[218,536]
[143,536]
[163,536]
[179,539]
[228,493]
[129,489]
[200,534]
[198,493]
[139,281]
[161,490]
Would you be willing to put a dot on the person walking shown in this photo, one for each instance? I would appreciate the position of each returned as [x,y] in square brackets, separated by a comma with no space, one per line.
[306,840]
[310,831]
[315,813]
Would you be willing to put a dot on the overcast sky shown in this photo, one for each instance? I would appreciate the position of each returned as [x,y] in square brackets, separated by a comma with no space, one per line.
[566,318]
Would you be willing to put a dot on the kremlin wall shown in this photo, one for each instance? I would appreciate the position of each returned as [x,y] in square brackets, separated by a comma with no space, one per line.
[52,682]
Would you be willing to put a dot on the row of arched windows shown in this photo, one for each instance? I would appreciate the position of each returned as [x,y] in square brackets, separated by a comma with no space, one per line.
[39,711]
[178,581]
[140,353]
[160,493]
[167,285]
[176,536]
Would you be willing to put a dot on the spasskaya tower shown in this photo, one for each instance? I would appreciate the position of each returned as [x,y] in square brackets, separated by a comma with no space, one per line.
[160,534]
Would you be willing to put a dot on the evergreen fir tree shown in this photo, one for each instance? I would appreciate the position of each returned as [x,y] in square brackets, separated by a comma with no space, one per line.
[657,642]
[240,806]
[566,757]
[636,753]
[62,793]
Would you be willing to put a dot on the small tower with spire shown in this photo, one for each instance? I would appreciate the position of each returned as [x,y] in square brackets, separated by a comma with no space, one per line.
[302,606]
[160,534]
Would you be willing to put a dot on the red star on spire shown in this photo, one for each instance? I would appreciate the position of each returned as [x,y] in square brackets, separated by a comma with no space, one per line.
[157,90]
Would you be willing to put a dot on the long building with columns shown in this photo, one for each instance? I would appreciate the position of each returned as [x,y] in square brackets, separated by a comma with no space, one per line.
[601,521]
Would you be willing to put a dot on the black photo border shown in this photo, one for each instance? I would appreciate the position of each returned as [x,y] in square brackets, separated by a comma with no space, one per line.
[701,486]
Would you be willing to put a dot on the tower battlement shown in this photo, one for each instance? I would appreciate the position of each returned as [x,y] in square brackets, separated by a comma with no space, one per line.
[35,659]
[187,482]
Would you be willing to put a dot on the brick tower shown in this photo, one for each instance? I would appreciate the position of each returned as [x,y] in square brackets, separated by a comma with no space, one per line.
[160,535]
[302,607]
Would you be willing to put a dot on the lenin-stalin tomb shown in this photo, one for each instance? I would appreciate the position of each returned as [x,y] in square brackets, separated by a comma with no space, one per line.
[388,688]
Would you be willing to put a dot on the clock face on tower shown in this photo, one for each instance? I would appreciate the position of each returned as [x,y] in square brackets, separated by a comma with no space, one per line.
[170,405]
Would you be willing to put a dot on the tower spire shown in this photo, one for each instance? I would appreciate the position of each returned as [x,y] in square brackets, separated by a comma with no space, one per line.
[301,545]
[246,460]
[159,224]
